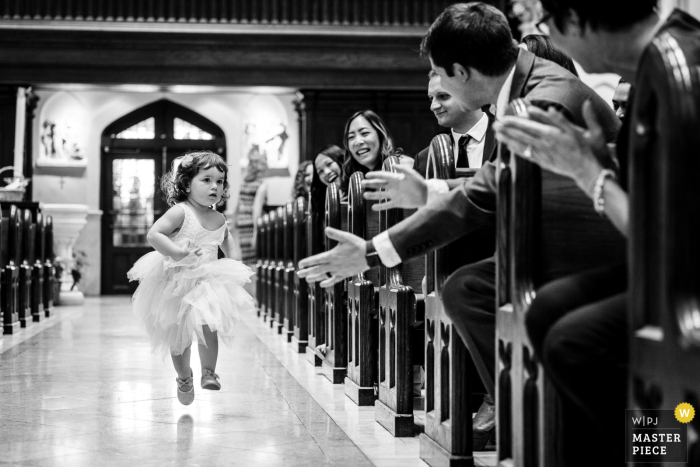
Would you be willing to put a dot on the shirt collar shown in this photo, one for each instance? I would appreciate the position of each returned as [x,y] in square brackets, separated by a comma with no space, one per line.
[504,95]
[477,131]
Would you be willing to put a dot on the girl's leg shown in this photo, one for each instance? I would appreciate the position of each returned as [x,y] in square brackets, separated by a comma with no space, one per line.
[182,365]
[209,353]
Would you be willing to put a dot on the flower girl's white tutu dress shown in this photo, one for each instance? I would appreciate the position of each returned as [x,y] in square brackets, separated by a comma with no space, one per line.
[176,298]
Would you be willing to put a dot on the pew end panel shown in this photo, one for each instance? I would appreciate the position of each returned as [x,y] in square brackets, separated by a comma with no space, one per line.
[361,312]
[48,270]
[26,269]
[289,272]
[11,253]
[38,268]
[401,315]
[280,268]
[663,327]
[316,296]
[260,267]
[335,355]
[300,337]
[450,375]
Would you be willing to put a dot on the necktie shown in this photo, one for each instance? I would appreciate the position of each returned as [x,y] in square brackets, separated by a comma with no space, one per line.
[462,159]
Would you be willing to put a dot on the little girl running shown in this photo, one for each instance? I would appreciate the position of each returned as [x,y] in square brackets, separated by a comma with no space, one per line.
[184,290]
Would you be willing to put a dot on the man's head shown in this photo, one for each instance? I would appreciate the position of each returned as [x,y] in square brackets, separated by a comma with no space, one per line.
[620,98]
[447,110]
[581,28]
[469,45]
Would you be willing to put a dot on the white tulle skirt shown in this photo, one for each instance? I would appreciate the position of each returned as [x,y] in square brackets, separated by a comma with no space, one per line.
[176,299]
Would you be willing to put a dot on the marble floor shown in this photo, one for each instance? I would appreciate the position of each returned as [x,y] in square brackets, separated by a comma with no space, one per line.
[82,389]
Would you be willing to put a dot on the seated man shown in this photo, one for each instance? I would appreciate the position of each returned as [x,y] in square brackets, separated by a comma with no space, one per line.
[578,325]
[487,68]
[472,137]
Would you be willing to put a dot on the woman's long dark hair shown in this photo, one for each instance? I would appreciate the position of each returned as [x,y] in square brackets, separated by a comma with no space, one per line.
[318,188]
[542,47]
[299,188]
[386,146]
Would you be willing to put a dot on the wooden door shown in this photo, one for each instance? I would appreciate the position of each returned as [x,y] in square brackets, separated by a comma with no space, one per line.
[137,150]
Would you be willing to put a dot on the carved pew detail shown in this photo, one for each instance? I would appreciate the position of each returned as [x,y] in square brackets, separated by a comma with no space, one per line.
[400,309]
[362,305]
[38,268]
[26,267]
[316,296]
[336,354]
[547,229]
[48,269]
[279,269]
[288,264]
[269,221]
[665,256]
[260,266]
[448,429]
[11,234]
[301,288]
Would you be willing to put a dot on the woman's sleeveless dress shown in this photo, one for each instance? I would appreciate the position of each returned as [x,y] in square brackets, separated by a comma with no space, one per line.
[176,298]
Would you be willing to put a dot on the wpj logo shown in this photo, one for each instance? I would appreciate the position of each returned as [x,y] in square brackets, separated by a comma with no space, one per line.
[658,435]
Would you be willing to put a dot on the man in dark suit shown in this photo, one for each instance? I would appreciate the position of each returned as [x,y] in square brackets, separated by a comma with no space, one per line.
[486,68]
[473,138]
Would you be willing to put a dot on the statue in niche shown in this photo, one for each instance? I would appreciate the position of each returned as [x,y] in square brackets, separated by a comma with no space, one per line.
[48,132]
[282,137]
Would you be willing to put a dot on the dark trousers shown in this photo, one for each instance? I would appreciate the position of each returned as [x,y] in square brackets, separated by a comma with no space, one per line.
[578,328]
[469,298]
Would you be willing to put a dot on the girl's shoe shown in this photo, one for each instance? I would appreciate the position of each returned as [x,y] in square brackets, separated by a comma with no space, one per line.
[185,397]
[210,380]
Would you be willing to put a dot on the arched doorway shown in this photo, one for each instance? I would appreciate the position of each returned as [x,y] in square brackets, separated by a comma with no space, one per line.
[137,149]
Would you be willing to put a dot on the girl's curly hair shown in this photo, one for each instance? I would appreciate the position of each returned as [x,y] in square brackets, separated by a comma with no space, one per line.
[175,183]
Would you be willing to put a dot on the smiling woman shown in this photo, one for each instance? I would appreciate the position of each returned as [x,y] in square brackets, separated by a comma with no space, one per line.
[326,172]
[367,144]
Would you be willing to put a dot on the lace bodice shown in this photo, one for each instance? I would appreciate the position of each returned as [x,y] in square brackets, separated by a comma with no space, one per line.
[198,236]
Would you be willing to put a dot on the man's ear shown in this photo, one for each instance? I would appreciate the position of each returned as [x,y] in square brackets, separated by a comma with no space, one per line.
[460,72]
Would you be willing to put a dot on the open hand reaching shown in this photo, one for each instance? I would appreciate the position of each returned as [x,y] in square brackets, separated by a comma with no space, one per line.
[404,189]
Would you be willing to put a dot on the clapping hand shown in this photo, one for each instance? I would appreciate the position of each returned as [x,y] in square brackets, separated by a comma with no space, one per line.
[551,141]
[403,189]
[346,259]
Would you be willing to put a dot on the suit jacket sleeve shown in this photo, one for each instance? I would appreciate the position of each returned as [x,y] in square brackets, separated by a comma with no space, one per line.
[469,206]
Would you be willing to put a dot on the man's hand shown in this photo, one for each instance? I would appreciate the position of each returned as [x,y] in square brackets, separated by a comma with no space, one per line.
[404,189]
[551,141]
[345,260]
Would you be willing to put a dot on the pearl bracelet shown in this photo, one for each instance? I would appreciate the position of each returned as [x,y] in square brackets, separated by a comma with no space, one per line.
[598,200]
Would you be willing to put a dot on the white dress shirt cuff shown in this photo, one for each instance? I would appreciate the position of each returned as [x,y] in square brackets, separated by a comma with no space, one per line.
[436,187]
[385,249]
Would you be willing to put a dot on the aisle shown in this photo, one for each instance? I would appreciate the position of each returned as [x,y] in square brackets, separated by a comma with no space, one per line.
[86,391]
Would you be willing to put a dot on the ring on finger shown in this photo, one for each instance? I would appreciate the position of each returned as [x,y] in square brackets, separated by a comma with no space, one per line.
[528,151]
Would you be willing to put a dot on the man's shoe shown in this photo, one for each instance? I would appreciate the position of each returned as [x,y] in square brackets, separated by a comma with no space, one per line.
[484,426]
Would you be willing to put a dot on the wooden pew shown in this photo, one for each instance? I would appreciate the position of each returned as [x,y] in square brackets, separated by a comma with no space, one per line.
[37,303]
[26,269]
[547,229]
[362,304]
[280,268]
[664,267]
[300,337]
[450,377]
[315,244]
[289,272]
[260,267]
[268,283]
[11,254]
[401,308]
[48,268]
[334,359]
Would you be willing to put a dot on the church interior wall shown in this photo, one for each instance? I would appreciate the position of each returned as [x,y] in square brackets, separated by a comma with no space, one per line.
[94,109]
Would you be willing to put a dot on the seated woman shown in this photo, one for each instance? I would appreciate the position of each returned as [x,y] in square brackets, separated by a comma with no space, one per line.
[327,171]
[367,144]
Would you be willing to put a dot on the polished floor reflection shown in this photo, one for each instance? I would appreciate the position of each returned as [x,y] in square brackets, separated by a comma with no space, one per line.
[82,389]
